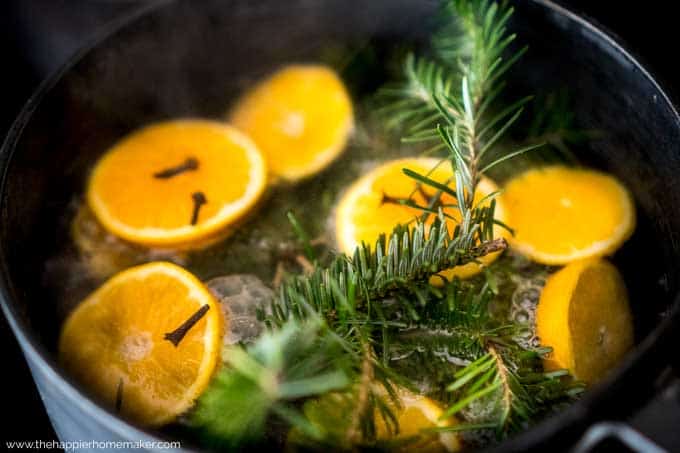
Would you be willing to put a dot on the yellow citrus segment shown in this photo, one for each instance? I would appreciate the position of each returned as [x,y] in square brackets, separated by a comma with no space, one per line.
[176,183]
[416,415]
[114,342]
[300,117]
[562,214]
[364,212]
[583,314]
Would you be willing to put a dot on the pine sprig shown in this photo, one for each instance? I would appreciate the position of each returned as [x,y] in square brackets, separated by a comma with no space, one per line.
[448,100]
[511,381]
[473,41]
[347,286]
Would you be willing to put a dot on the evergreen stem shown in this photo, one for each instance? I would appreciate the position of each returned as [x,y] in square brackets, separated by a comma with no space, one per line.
[503,372]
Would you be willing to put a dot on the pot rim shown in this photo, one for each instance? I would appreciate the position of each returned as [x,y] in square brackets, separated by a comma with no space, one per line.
[38,357]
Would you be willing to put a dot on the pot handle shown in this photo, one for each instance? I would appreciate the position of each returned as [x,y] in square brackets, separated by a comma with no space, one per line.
[622,432]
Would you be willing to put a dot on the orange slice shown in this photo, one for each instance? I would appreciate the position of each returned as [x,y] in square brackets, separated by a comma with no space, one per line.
[176,184]
[114,343]
[416,415]
[300,117]
[363,214]
[583,314]
[562,214]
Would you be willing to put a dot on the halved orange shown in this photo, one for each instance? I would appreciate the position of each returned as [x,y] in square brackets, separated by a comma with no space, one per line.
[300,117]
[176,184]
[583,314]
[561,214]
[124,343]
[363,212]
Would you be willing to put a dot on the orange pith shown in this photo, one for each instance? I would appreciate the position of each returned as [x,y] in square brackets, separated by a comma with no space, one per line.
[114,343]
[583,314]
[300,117]
[562,214]
[132,202]
[363,214]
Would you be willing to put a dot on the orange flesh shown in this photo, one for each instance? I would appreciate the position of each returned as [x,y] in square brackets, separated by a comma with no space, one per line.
[584,315]
[300,117]
[561,214]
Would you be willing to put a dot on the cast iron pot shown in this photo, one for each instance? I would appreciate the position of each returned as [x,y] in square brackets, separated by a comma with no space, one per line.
[188,58]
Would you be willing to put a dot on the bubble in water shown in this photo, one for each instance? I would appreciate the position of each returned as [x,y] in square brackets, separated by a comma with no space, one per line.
[522,316]
[102,254]
[445,354]
[483,409]
[523,307]
[240,296]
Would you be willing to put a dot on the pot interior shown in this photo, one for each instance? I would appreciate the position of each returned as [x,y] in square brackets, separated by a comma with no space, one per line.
[183,61]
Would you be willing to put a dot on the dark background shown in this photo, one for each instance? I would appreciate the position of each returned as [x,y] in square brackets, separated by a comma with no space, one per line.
[36,36]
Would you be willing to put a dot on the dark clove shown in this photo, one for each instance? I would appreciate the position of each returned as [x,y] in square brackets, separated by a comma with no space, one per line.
[188,165]
[199,200]
[178,334]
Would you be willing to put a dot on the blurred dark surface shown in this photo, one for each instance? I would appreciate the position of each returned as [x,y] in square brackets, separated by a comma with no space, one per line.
[37,36]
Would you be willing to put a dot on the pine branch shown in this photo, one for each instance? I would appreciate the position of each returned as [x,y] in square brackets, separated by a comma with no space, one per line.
[448,101]
[510,380]
[473,41]
[407,261]
[473,44]
[502,373]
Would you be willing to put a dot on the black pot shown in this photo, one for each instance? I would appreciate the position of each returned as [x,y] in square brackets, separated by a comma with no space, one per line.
[188,58]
